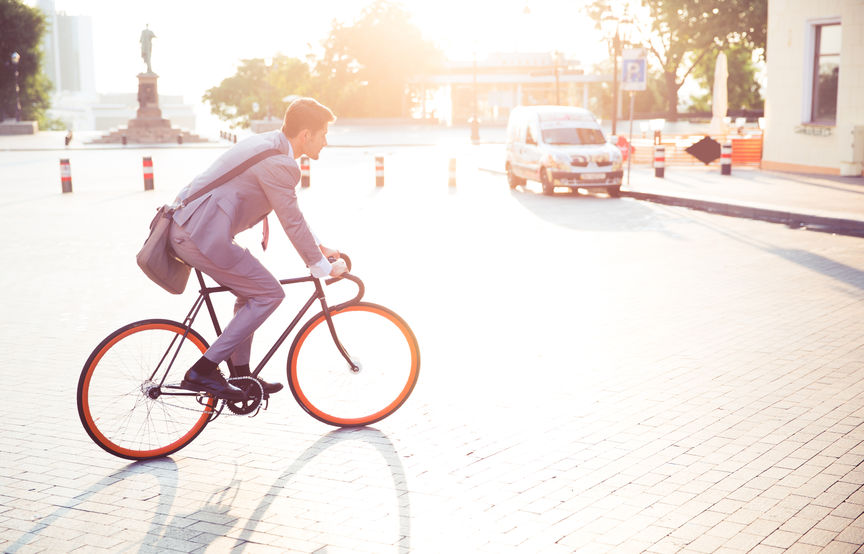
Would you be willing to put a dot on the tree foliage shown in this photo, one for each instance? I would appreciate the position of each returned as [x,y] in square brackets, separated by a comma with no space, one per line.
[257,90]
[21,30]
[368,67]
[366,70]
[681,33]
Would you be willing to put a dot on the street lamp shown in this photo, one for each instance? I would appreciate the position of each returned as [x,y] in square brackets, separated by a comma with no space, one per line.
[557,56]
[475,125]
[616,30]
[16,57]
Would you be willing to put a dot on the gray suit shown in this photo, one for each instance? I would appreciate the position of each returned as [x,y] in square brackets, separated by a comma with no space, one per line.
[203,234]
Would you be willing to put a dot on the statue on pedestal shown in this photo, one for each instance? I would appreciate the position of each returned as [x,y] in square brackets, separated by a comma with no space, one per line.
[146,40]
[148,126]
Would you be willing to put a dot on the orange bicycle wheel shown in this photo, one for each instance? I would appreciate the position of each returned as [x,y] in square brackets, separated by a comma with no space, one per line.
[120,402]
[377,340]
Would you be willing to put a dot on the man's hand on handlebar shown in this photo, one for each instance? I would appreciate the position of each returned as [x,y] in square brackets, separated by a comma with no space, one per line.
[339,267]
[329,252]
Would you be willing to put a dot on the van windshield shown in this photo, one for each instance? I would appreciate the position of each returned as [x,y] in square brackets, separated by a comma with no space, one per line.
[573,135]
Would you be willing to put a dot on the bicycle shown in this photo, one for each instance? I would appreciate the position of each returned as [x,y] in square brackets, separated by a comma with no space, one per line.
[352,378]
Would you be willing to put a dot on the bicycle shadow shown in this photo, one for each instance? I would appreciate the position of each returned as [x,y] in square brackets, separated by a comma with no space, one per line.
[165,530]
[165,472]
[367,435]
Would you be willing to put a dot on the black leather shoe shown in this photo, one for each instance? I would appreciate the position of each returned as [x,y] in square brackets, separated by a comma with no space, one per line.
[214,384]
[244,371]
[269,388]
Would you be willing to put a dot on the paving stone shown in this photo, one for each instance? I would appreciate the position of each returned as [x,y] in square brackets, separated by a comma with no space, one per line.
[685,382]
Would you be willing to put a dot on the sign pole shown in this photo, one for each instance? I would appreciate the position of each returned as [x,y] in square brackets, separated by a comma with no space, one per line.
[634,77]
[630,140]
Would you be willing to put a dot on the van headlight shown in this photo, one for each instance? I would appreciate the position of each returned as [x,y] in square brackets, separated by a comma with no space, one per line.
[616,160]
[557,160]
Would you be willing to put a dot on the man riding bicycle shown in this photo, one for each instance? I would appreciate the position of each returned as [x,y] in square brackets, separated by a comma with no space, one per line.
[203,232]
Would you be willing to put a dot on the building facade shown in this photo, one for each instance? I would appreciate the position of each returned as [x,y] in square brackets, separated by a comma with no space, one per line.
[502,81]
[814,108]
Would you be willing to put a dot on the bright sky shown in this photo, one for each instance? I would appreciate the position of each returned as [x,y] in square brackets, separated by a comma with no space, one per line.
[198,43]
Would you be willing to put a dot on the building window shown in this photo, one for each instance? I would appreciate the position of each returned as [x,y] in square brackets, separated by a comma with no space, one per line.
[826,72]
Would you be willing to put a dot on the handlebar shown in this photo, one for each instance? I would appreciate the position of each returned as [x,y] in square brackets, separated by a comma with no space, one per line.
[361,289]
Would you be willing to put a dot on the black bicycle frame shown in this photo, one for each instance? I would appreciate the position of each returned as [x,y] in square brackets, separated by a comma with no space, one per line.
[204,299]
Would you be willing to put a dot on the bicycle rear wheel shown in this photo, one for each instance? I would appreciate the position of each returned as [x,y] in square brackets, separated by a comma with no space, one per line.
[379,341]
[120,403]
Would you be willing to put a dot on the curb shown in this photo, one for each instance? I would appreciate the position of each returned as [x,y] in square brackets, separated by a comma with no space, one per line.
[795,220]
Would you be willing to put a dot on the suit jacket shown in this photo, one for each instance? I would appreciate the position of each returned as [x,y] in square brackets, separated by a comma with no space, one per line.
[214,219]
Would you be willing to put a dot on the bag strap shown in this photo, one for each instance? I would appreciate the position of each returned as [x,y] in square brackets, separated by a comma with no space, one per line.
[230,175]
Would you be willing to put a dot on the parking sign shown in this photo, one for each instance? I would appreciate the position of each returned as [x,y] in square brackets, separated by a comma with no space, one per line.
[634,74]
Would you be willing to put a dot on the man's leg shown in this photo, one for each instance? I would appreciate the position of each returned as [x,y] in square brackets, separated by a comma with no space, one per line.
[258,293]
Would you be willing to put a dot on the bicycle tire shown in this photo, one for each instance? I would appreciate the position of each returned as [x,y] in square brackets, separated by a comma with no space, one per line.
[323,383]
[151,427]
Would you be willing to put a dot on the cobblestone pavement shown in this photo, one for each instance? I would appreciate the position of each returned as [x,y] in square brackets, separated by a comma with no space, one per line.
[598,374]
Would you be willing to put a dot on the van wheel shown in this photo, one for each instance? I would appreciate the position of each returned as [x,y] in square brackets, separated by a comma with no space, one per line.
[512,179]
[548,187]
[614,192]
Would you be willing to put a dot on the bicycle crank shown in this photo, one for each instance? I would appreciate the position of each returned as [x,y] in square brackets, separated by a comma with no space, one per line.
[254,396]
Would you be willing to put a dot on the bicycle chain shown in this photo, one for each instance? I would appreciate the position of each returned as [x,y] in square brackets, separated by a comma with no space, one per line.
[203,399]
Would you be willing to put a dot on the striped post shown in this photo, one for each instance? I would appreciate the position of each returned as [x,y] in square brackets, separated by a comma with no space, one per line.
[659,161]
[304,172]
[452,181]
[379,171]
[726,158]
[65,175]
[148,173]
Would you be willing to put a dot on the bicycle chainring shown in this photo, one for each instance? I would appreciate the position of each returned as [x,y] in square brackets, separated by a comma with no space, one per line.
[254,395]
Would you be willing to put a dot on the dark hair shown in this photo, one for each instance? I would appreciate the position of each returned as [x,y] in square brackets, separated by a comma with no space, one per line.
[306,113]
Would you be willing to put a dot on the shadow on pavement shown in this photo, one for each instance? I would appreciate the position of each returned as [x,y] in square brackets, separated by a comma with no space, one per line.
[368,435]
[587,212]
[841,272]
[166,532]
[163,470]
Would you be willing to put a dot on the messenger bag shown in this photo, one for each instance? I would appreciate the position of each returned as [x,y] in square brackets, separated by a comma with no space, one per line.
[156,258]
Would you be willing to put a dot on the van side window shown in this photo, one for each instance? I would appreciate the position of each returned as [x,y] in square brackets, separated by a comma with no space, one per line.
[529,138]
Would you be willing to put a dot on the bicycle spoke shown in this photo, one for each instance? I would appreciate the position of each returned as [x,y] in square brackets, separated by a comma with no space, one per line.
[323,381]
[114,403]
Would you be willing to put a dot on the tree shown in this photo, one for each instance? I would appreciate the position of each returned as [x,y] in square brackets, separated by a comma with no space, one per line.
[682,32]
[649,102]
[21,30]
[368,67]
[742,88]
[258,90]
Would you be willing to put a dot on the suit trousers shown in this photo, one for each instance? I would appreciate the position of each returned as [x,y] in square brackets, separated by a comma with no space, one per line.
[258,295]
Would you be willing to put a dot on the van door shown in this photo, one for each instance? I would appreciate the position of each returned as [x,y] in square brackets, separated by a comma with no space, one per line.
[517,149]
[532,151]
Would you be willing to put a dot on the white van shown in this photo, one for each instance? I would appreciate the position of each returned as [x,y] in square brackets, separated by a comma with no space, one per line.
[560,146]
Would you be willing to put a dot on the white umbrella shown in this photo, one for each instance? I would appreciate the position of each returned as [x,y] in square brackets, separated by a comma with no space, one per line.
[719,98]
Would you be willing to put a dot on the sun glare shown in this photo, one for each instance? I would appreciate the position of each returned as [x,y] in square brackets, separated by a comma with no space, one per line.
[197,46]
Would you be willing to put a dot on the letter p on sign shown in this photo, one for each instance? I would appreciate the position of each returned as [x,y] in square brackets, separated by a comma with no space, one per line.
[633,70]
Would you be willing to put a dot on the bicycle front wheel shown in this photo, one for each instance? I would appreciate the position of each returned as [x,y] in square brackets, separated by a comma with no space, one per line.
[120,401]
[378,341]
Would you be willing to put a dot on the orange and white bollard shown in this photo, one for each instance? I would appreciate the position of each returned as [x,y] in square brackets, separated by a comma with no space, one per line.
[65,175]
[304,171]
[659,161]
[726,158]
[148,173]
[452,181]
[379,171]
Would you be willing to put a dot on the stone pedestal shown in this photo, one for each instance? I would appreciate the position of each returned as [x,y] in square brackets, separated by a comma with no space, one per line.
[13,127]
[149,126]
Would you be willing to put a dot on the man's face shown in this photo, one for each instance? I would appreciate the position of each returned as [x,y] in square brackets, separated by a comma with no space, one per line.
[316,141]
